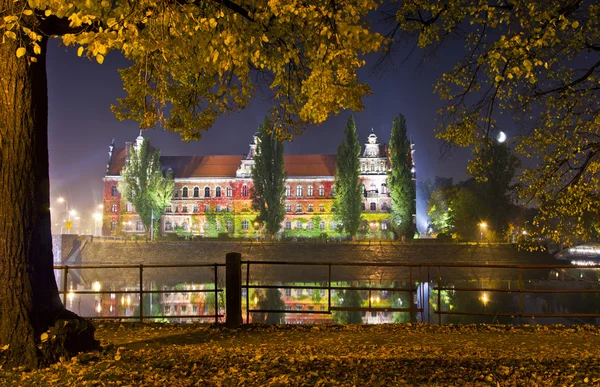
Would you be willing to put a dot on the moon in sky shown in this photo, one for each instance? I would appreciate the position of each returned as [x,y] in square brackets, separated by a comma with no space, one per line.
[501,137]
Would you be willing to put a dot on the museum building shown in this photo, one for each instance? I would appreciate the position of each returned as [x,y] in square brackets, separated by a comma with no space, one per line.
[212,194]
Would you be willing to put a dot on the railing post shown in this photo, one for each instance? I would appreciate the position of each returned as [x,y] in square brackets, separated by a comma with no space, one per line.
[141,292]
[439,300]
[216,295]
[233,286]
[65,274]
[520,292]
[410,293]
[329,289]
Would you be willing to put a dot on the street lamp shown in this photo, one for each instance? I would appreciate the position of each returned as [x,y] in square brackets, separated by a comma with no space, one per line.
[484,298]
[63,200]
[97,217]
[482,227]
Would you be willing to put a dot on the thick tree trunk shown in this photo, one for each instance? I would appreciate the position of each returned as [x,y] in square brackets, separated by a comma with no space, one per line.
[29,299]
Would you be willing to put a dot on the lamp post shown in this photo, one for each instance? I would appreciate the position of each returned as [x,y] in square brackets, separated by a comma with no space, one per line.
[63,200]
[482,227]
[97,217]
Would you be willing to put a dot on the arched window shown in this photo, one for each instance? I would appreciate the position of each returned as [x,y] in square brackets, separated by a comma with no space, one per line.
[321,190]
[114,191]
[229,226]
[288,225]
[228,208]
[184,226]
[298,207]
[384,206]
[184,192]
[310,208]
[311,225]
[384,225]
[244,225]
[228,192]
[206,192]
[129,207]
[196,192]
[207,208]
[288,191]
[322,225]
[113,208]
[383,188]
[299,191]
[168,226]
[139,226]
[299,225]
[321,207]
[310,190]
[373,207]
[373,187]
[244,190]
[288,207]
[218,192]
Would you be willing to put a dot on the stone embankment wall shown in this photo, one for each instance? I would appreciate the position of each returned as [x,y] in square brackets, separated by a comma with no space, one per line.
[102,252]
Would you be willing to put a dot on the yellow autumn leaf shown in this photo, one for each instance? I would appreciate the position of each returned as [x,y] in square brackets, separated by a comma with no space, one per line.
[10,34]
[100,58]
[48,12]
[37,49]
[212,22]
[575,24]
[21,51]
[264,38]
[80,51]
[28,12]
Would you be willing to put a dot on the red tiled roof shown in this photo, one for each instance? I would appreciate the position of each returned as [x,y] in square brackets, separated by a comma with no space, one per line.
[310,165]
[226,166]
[202,166]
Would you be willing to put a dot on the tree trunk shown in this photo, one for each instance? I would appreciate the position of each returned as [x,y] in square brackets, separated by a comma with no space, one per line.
[29,299]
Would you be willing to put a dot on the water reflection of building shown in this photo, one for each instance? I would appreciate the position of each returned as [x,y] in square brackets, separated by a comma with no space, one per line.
[212,194]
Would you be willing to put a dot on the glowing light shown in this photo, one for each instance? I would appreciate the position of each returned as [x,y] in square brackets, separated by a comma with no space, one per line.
[98,308]
[484,298]
[73,212]
[255,300]
[97,216]
[71,295]
[61,200]
[524,232]
[122,300]
[110,309]
[501,137]
[483,224]
[377,299]
[96,286]
[128,300]
[585,263]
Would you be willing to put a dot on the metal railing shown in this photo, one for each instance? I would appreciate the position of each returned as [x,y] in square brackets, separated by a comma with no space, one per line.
[140,291]
[421,274]
[426,282]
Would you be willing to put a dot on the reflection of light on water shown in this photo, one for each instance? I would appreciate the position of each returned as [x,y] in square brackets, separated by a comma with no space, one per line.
[585,263]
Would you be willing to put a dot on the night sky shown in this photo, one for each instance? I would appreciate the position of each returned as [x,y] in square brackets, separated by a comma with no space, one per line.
[81,125]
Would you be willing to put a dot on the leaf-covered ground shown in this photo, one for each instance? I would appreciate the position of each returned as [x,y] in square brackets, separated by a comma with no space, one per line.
[384,355]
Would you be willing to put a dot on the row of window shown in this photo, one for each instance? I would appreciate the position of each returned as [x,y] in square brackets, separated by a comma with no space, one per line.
[309,191]
[207,192]
[196,208]
[219,208]
[373,206]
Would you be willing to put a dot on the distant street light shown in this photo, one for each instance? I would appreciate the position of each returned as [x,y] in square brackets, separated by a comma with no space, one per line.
[484,298]
[97,218]
[63,200]
[482,227]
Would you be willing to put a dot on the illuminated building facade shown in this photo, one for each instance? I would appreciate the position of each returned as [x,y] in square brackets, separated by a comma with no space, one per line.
[212,195]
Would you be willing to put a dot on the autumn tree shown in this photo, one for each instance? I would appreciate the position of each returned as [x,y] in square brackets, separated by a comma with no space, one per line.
[537,61]
[439,208]
[268,177]
[143,184]
[400,181]
[348,187]
[191,62]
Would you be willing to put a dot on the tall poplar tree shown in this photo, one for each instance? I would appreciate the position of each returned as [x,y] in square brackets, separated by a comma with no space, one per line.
[143,183]
[268,176]
[400,181]
[348,187]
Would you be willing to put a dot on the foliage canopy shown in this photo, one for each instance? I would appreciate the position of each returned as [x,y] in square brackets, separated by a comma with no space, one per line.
[540,62]
[197,59]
